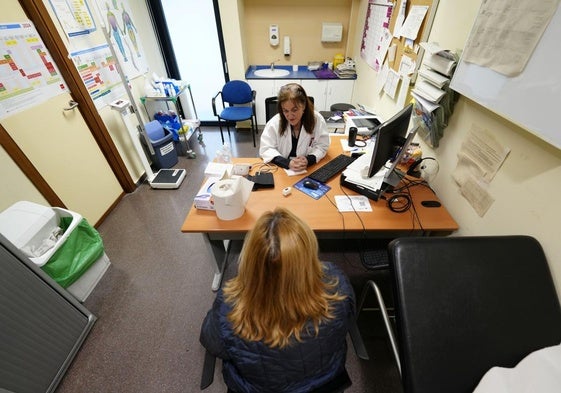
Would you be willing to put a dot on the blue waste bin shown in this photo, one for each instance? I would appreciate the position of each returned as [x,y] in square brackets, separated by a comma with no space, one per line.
[165,155]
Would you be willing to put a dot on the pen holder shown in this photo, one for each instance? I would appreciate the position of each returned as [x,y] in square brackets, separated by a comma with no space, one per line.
[352,136]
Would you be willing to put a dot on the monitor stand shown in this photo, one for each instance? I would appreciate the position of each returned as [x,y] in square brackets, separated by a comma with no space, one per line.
[168,178]
[392,178]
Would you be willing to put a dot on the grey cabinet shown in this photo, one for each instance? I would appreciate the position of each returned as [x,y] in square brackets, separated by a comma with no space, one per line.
[41,325]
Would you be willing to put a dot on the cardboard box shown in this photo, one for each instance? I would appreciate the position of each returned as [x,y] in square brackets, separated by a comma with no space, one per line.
[203,199]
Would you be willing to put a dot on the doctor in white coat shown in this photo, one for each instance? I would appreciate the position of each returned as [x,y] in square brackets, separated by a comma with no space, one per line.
[297,136]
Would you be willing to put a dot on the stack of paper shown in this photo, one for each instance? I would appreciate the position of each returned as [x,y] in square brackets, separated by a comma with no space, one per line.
[434,100]
[438,59]
[438,66]
[434,77]
[428,91]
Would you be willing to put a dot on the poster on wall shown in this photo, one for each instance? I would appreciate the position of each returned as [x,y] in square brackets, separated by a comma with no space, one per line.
[97,64]
[98,71]
[28,74]
[74,17]
[116,18]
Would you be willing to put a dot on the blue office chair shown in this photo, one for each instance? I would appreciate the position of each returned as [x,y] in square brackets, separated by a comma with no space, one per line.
[238,104]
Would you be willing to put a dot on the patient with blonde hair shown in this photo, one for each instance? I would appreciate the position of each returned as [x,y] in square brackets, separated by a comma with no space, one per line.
[280,325]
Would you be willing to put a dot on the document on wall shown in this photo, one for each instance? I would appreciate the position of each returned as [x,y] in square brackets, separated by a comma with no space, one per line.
[522,23]
[411,26]
[74,17]
[477,195]
[480,155]
[29,75]
[392,80]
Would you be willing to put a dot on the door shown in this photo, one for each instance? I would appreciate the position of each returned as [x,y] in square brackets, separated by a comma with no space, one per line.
[68,156]
[197,54]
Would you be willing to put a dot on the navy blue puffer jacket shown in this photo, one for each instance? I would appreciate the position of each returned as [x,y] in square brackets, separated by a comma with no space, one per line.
[254,367]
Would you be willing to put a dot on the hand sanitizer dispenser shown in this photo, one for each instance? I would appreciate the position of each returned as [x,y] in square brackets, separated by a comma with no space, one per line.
[274,35]
[286,49]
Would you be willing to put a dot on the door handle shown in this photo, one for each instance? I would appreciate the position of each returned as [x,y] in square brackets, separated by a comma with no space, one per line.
[71,105]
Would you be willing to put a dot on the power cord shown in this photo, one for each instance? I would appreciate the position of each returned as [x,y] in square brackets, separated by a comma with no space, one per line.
[399,203]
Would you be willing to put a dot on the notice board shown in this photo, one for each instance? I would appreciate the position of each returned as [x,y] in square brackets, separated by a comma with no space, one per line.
[402,48]
[381,19]
[530,99]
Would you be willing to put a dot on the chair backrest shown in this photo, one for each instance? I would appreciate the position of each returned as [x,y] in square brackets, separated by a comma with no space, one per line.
[466,304]
[271,108]
[237,92]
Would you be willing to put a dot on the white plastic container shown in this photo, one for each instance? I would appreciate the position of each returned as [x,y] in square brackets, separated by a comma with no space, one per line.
[27,225]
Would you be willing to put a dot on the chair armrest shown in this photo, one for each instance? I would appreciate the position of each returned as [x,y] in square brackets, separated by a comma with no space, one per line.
[214,103]
[208,370]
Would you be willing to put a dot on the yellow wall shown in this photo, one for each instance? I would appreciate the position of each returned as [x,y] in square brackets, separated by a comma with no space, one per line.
[301,21]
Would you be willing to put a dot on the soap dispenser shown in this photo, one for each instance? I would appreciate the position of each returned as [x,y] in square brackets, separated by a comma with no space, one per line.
[274,35]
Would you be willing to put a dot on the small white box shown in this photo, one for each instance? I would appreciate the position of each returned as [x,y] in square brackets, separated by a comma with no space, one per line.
[203,199]
[331,32]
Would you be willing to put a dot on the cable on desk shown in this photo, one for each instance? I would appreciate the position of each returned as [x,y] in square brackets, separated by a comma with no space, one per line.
[265,168]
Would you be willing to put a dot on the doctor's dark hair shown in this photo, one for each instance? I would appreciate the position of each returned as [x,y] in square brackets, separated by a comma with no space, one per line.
[281,285]
[297,95]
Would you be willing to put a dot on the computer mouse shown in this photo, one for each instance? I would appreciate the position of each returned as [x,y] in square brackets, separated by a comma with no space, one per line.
[310,184]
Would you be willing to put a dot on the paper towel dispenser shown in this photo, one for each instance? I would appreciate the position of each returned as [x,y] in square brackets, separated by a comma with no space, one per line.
[331,32]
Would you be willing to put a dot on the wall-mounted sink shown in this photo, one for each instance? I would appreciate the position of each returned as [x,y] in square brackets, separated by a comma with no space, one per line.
[268,73]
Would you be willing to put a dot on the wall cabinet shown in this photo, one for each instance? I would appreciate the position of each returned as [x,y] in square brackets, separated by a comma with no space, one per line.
[327,92]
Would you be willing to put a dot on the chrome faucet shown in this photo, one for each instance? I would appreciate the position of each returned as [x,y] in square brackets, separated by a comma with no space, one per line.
[273,64]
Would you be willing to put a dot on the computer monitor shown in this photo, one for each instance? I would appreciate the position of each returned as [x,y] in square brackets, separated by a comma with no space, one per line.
[390,136]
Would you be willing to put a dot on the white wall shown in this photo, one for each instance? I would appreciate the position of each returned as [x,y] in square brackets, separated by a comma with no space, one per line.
[525,187]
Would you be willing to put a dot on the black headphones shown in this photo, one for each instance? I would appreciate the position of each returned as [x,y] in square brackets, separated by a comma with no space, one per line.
[413,171]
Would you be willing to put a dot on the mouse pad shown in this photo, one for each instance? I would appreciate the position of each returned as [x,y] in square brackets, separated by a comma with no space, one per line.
[316,194]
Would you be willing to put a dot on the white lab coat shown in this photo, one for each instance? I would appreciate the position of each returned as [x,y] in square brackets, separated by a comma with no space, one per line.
[273,144]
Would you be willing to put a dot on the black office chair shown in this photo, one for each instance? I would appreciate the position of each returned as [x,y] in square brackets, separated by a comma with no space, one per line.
[238,104]
[341,107]
[271,107]
[466,304]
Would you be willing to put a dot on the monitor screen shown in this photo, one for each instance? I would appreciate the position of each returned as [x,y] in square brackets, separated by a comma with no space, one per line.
[390,136]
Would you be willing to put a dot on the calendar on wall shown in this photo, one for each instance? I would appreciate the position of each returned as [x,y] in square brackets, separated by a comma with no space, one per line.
[376,33]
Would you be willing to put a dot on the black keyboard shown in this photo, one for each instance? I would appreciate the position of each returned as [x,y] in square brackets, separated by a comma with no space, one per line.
[331,168]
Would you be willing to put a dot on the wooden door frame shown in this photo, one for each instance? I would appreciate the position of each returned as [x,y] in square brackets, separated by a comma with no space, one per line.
[39,15]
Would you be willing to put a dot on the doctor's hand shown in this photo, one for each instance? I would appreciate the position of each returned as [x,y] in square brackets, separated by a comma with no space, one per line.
[298,163]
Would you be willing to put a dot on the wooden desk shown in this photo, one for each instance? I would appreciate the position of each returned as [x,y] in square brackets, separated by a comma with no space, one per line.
[321,214]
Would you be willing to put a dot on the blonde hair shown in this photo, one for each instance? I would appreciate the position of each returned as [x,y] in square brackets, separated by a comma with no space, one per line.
[280,284]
